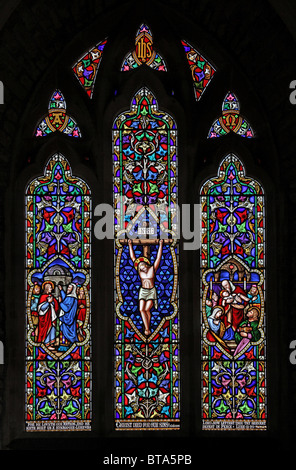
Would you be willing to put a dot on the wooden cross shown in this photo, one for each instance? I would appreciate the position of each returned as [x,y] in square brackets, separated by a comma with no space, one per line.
[146,243]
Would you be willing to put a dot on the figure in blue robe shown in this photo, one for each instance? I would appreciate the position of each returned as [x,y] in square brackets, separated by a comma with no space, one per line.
[68,305]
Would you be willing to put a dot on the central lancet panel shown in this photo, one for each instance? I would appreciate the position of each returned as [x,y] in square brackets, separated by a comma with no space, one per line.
[146,267]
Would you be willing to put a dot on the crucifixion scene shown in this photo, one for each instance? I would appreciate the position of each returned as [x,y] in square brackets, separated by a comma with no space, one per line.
[147,256]
[146,271]
[146,263]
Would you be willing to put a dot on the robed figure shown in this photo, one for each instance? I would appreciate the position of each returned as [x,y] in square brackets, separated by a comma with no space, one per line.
[68,311]
[233,299]
[47,314]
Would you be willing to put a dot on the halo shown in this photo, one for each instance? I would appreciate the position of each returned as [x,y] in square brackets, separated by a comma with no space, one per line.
[139,260]
[47,282]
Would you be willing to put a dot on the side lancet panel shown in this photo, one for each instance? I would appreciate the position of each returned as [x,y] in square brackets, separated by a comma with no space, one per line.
[58,300]
[233,300]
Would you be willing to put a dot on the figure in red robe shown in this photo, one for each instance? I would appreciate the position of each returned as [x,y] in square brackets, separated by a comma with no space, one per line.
[34,306]
[233,299]
[81,313]
[47,312]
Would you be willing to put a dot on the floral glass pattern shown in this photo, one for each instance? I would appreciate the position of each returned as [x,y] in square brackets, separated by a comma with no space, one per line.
[201,70]
[86,68]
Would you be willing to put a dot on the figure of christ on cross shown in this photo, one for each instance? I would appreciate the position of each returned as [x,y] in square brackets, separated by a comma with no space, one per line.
[146,271]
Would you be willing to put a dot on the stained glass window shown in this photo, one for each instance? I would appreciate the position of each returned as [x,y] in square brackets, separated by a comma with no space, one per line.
[233,300]
[57,119]
[58,280]
[201,70]
[143,53]
[146,267]
[231,120]
[86,67]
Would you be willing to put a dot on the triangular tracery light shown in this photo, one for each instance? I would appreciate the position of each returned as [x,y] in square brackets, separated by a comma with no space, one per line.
[57,119]
[143,53]
[201,69]
[231,120]
[86,68]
